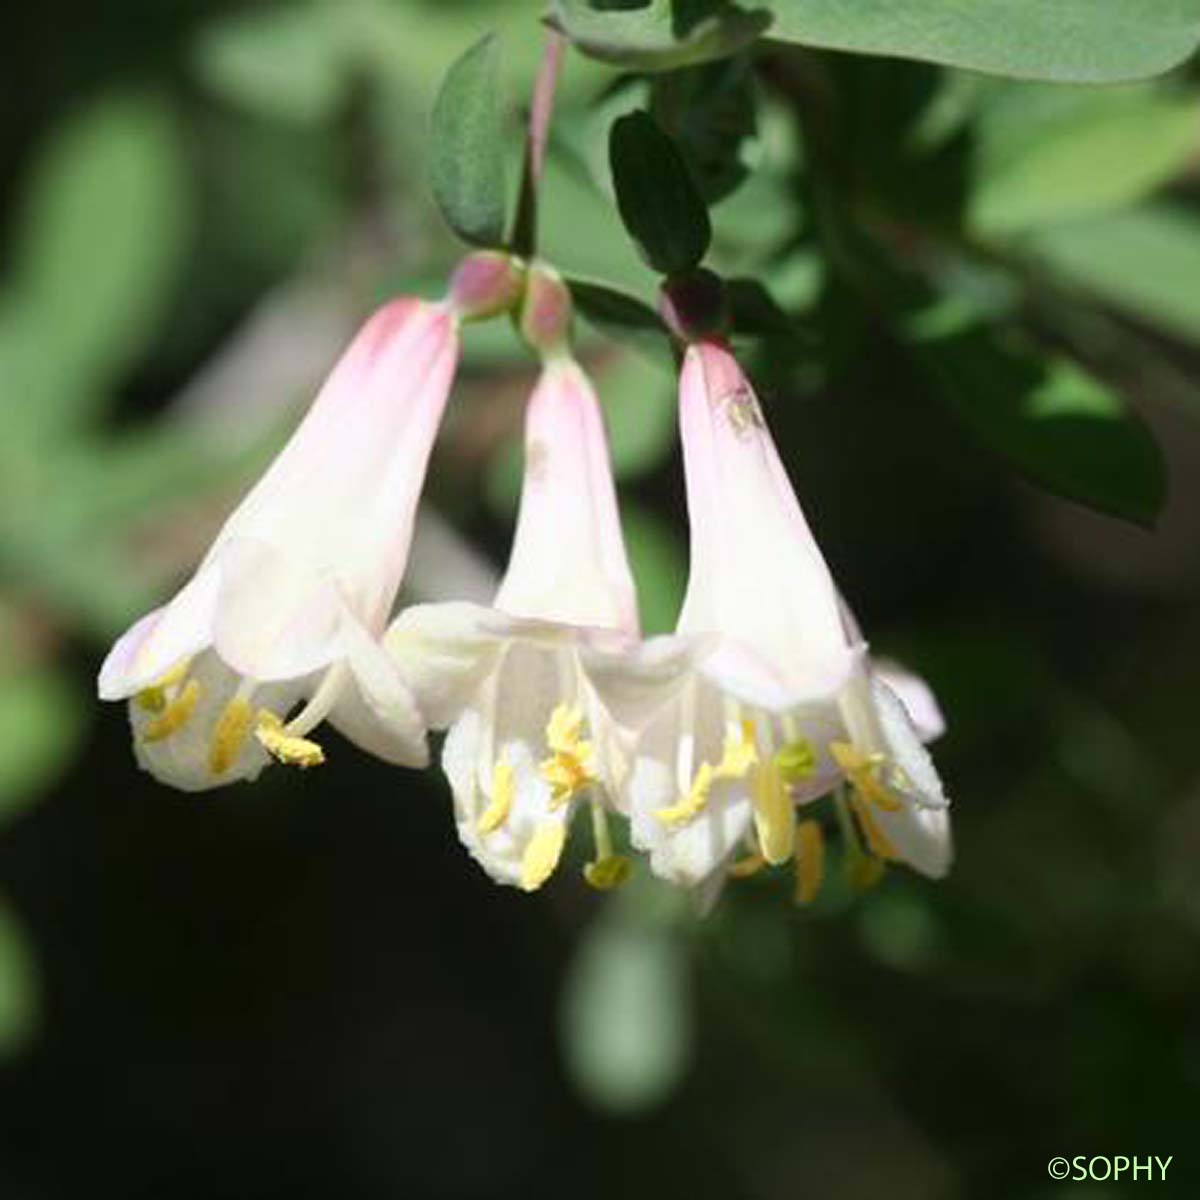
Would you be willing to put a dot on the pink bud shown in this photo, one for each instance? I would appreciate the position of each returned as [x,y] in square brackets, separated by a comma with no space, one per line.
[485,284]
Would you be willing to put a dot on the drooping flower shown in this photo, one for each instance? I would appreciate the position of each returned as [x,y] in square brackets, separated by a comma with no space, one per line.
[290,601]
[765,698]
[529,739]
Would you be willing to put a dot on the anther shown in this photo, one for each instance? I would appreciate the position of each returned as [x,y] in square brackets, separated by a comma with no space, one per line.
[173,714]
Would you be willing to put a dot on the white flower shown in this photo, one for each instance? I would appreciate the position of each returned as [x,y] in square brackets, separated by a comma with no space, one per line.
[764,700]
[289,603]
[529,738]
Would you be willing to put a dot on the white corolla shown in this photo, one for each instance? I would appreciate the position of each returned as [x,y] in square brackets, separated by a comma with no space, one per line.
[765,698]
[288,606]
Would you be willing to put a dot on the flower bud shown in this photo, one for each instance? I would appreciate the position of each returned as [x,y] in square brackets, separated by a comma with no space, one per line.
[545,318]
[486,283]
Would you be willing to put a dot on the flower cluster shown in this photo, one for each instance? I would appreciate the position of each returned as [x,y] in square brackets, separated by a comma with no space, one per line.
[714,743]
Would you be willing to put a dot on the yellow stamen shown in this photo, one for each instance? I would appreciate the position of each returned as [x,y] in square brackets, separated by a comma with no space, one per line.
[174,714]
[810,861]
[774,816]
[693,803]
[738,756]
[862,770]
[151,699]
[542,854]
[609,872]
[229,736]
[296,751]
[154,698]
[568,769]
[797,761]
[504,790]
[739,753]
[744,868]
[877,841]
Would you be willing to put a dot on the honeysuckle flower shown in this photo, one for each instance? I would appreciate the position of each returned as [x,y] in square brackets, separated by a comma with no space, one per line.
[290,602]
[529,738]
[765,698]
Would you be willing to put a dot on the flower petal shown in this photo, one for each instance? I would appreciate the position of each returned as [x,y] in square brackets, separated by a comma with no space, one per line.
[276,618]
[757,574]
[341,496]
[443,652]
[162,639]
[377,711]
[568,561]
[917,697]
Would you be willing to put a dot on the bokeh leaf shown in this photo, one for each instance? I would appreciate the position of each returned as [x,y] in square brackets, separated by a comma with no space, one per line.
[659,564]
[1049,419]
[1050,154]
[639,412]
[285,63]
[466,156]
[657,197]
[627,1023]
[659,35]
[1073,41]
[41,723]
[99,245]
[1145,261]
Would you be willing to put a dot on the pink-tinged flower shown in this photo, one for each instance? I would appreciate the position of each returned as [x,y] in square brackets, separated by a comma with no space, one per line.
[529,739]
[764,699]
[289,603]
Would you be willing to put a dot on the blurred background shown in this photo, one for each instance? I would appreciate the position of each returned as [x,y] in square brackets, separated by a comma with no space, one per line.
[305,988]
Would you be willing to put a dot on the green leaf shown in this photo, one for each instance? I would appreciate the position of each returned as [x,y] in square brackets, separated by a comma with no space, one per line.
[286,64]
[659,35]
[41,724]
[1145,261]
[624,318]
[710,111]
[657,199]
[1077,41]
[99,246]
[1050,420]
[627,1024]
[1051,154]
[466,155]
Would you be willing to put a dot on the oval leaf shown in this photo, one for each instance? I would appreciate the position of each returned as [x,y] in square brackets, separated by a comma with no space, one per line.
[625,319]
[659,35]
[466,158]
[1075,41]
[657,199]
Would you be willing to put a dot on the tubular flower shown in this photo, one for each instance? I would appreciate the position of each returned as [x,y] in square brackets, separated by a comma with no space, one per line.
[529,739]
[288,605]
[764,700]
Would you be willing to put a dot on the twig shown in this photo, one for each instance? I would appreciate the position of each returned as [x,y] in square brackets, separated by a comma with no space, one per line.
[524,235]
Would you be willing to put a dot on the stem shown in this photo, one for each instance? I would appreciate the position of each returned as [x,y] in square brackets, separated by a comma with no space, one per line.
[600,834]
[524,234]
